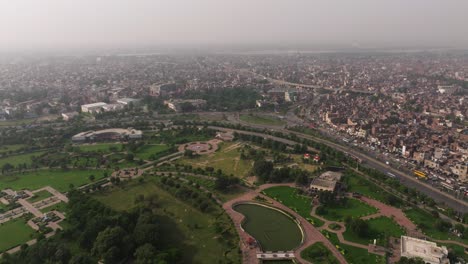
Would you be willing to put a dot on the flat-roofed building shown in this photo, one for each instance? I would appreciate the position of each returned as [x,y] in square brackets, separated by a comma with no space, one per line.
[127,101]
[69,116]
[327,181]
[428,251]
[93,108]
[108,134]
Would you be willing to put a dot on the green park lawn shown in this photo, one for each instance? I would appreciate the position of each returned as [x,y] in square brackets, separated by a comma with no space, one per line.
[58,179]
[184,226]
[356,183]
[100,147]
[299,203]
[272,229]
[319,254]
[351,208]
[261,120]
[227,159]
[354,255]
[17,122]
[379,228]
[146,151]
[14,233]
[61,207]
[40,196]
[425,221]
[20,159]
[6,148]
[360,185]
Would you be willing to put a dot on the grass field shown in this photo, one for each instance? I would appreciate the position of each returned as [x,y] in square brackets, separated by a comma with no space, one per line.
[7,148]
[39,196]
[318,254]
[351,207]
[227,159]
[272,229]
[58,179]
[20,159]
[262,120]
[379,228]
[14,233]
[425,221]
[289,197]
[146,151]
[100,147]
[17,122]
[354,255]
[61,207]
[186,228]
[360,185]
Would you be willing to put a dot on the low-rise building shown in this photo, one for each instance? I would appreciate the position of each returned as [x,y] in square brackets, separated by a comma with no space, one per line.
[177,104]
[93,108]
[69,116]
[327,181]
[108,134]
[428,251]
[127,101]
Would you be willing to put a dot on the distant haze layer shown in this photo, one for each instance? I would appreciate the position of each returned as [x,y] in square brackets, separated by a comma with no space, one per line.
[50,24]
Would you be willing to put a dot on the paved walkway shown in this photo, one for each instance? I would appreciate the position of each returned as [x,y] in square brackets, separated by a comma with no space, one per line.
[339,234]
[394,213]
[311,234]
[33,210]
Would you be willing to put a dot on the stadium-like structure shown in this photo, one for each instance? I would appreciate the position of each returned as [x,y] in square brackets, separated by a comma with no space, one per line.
[108,134]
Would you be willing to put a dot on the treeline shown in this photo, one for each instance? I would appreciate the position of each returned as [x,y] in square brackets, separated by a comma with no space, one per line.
[101,234]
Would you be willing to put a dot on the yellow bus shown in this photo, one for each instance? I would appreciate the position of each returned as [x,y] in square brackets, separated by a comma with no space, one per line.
[419,174]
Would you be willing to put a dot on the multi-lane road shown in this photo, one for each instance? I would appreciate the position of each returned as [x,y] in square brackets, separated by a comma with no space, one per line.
[408,180]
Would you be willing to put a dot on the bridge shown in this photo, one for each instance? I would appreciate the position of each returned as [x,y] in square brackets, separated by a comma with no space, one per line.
[279,255]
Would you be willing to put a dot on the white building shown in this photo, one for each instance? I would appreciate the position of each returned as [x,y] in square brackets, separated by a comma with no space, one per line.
[127,101]
[428,251]
[93,108]
[69,116]
[108,134]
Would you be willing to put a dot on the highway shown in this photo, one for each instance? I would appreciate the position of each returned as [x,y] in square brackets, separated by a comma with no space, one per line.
[407,180]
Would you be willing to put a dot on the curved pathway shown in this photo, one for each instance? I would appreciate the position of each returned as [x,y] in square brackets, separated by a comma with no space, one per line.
[311,234]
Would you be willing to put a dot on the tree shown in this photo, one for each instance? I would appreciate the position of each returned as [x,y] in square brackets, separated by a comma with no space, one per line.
[263,169]
[7,167]
[358,226]
[146,233]
[81,259]
[189,153]
[91,177]
[108,244]
[145,254]
[223,182]
[130,157]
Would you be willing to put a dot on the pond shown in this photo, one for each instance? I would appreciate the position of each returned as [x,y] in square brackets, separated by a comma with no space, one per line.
[272,229]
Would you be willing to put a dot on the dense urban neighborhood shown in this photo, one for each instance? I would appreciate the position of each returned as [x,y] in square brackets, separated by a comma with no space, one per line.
[234,158]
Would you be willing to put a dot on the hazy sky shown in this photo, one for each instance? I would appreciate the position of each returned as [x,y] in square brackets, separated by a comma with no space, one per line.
[31,24]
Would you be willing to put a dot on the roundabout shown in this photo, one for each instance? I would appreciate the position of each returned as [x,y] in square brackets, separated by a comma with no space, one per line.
[201,147]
